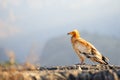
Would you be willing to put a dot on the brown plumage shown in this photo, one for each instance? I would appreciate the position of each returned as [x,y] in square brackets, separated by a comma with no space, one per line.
[85,49]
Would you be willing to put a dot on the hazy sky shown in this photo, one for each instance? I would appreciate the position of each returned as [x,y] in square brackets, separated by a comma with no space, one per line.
[23,22]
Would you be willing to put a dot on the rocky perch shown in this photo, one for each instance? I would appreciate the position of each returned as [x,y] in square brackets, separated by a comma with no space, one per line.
[74,72]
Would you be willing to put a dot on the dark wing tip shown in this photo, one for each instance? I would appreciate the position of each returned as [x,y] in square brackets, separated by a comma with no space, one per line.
[105,60]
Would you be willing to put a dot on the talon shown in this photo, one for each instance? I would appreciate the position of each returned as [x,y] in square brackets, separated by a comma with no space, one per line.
[78,64]
[82,63]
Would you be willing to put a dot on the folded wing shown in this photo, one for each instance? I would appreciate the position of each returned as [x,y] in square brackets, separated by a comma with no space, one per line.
[88,50]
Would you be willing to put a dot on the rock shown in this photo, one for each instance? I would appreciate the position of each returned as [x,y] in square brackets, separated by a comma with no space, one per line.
[73,72]
[84,76]
[105,75]
[71,77]
[118,73]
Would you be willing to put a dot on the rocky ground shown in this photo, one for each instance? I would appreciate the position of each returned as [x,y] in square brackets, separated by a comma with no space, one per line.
[74,72]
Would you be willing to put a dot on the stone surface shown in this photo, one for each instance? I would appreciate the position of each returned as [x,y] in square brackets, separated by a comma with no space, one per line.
[74,72]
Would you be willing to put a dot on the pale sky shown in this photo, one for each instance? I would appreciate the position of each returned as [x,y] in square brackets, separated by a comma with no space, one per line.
[29,21]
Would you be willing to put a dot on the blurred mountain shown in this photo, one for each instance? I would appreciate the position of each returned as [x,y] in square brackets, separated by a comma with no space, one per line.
[58,51]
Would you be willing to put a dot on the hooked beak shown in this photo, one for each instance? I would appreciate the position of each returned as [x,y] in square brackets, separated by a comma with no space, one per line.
[68,33]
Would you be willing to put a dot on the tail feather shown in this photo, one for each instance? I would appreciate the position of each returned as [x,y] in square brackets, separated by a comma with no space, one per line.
[105,59]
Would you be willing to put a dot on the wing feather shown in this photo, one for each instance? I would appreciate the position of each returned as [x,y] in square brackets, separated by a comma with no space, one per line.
[87,49]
